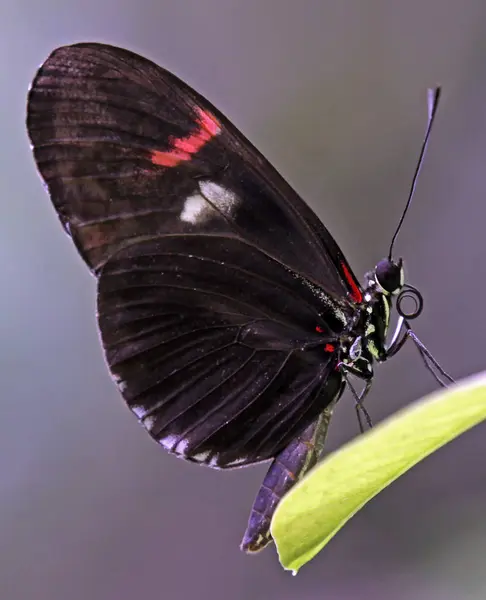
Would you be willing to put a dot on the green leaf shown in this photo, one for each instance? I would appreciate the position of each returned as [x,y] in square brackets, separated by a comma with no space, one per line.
[317,507]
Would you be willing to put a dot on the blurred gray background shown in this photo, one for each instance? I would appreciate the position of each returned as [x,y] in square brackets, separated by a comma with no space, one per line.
[333,92]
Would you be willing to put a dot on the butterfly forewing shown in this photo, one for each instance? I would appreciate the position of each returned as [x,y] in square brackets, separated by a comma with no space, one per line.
[128,151]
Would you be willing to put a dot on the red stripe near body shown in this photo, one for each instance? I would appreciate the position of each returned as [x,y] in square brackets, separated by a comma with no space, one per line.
[184,148]
[356,294]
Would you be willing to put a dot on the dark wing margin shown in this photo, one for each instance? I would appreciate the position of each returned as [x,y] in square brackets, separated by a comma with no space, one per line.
[123,144]
[217,377]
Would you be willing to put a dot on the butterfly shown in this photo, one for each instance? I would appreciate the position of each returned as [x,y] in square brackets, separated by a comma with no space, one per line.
[229,317]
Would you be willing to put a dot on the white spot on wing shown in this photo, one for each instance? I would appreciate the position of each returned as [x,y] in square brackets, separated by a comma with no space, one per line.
[214,197]
[201,457]
[148,422]
[169,441]
[181,447]
[139,411]
[222,198]
[238,461]
[214,460]
[120,383]
[194,209]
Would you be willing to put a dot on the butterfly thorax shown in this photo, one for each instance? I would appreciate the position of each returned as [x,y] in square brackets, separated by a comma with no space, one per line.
[364,340]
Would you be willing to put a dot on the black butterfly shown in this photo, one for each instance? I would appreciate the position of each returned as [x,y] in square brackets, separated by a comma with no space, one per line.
[229,317]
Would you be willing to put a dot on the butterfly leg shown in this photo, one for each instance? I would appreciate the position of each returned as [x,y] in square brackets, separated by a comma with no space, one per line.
[404,332]
[358,403]
[287,468]
[365,375]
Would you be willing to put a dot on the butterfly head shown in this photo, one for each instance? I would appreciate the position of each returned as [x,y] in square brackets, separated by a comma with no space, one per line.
[389,276]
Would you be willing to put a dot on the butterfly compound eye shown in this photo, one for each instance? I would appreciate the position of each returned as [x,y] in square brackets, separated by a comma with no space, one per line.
[389,275]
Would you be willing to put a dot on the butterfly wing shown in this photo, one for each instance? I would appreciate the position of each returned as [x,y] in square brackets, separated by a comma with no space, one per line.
[123,146]
[214,346]
[213,273]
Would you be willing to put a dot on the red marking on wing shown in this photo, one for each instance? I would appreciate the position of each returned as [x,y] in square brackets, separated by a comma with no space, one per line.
[356,294]
[318,329]
[329,348]
[208,122]
[184,148]
[169,159]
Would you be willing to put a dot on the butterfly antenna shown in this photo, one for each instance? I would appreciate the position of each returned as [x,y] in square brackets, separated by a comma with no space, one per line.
[433,98]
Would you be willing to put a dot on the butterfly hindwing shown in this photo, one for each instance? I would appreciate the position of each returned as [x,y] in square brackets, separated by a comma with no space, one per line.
[215,376]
